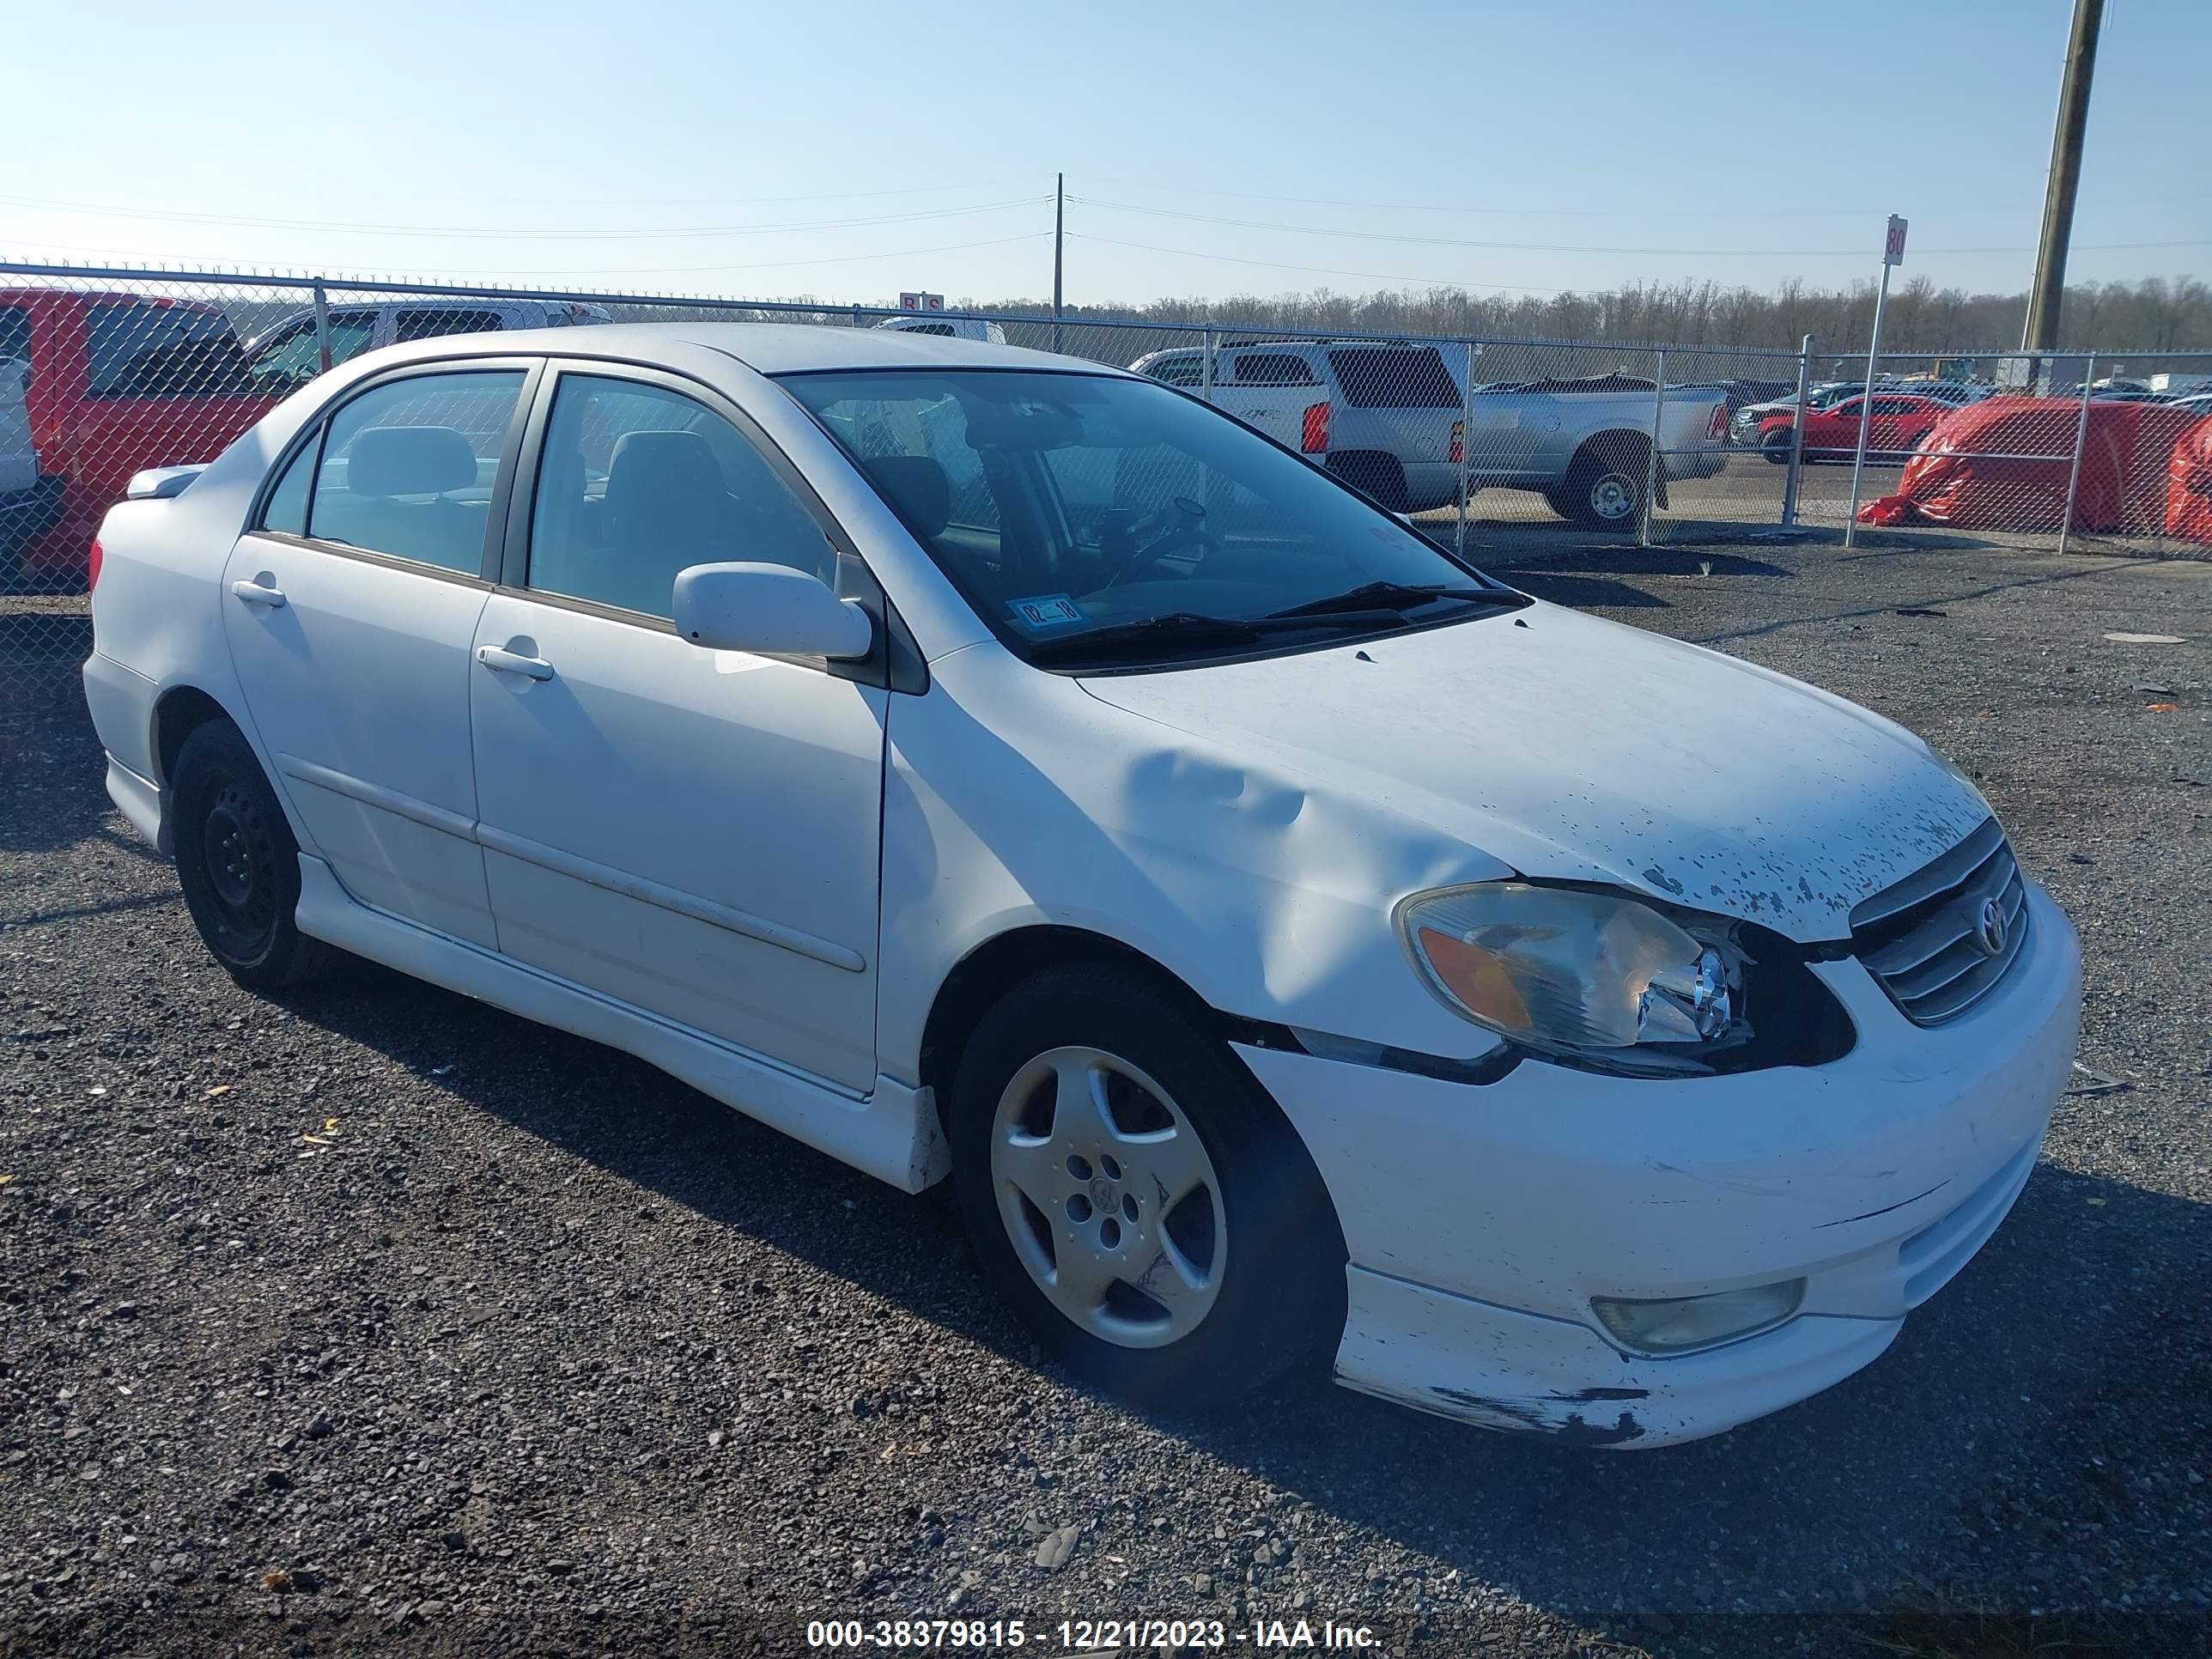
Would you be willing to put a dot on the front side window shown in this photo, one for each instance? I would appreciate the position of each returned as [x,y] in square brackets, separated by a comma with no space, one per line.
[1116,503]
[409,467]
[637,482]
[1178,371]
[160,348]
[293,355]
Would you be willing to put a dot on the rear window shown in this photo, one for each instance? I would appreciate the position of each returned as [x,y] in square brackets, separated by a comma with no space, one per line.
[14,332]
[943,330]
[430,323]
[1387,378]
[1274,368]
[144,348]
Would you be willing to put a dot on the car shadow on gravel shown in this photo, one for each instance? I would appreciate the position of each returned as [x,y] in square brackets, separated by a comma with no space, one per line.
[53,786]
[2078,1313]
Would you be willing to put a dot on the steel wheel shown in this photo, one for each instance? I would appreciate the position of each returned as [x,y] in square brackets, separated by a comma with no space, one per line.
[237,861]
[1108,1197]
[1612,498]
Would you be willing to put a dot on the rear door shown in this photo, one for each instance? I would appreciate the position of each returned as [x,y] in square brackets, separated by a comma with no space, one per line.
[1402,401]
[1273,391]
[694,833]
[1833,433]
[351,608]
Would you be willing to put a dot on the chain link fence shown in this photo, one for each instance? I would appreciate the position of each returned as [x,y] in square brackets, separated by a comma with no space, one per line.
[1497,448]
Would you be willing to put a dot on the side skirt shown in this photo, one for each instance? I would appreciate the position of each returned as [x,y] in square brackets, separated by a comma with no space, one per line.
[891,1134]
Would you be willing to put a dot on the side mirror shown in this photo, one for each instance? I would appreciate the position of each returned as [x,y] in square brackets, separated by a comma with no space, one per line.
[770,610]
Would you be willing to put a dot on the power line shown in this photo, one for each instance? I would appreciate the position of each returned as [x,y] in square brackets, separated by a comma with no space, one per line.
[1565,247]
[245,278]
[171,216]
[1317,270]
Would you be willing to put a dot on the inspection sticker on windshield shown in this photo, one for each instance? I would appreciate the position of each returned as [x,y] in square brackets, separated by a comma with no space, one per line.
[1046,610]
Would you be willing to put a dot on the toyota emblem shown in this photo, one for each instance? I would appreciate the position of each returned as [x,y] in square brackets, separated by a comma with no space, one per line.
[1989,928]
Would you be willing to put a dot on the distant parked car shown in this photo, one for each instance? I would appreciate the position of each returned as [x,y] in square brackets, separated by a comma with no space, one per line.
[118,382]
[947,328]
[1744,424]
[1894,428]
[1390,419]
[290,354]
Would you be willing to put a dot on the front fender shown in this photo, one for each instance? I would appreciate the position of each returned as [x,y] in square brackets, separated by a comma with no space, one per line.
[1013,800]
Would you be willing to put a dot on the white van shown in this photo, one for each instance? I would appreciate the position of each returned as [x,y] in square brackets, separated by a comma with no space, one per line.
[289,354]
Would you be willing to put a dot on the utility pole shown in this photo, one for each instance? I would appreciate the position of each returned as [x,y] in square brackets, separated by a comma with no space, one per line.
[2041,333]
[1058,237]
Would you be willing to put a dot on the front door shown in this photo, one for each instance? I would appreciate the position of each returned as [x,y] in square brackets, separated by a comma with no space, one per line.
[351,608]
[694,833]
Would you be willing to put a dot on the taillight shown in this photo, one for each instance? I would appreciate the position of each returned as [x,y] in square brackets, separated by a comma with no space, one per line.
[91,569]
[1458,443]
[1313,430]
[1717,427]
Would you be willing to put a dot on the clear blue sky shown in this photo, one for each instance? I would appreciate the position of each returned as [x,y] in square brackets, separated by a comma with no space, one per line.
[845,149]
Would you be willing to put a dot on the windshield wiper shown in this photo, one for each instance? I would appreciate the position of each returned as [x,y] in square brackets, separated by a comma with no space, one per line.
[1391,596]
[1189,627]
[1177,625]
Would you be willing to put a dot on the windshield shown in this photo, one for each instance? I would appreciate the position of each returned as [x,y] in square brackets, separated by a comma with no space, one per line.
[1067,507]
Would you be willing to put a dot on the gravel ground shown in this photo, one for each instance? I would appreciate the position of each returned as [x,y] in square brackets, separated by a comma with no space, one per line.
[374,1320]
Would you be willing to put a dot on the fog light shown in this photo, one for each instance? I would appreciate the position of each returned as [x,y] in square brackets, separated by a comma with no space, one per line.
[1678,1324]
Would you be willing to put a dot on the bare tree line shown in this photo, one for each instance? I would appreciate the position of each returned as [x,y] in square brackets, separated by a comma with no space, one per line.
[2155,314]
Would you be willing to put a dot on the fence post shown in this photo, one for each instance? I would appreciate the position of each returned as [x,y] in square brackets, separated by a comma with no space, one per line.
[1205,371]
[1465,445]
[1798,435]
[322,326]
[1651,451]
[2080,442]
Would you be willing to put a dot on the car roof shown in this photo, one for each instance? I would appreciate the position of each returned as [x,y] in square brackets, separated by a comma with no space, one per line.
[768,348]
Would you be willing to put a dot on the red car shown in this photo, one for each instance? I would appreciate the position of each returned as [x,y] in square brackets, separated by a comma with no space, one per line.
[119,382]
[1899,421]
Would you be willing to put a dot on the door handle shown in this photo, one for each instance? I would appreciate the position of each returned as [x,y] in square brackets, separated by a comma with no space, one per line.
[255,594]
[500,660]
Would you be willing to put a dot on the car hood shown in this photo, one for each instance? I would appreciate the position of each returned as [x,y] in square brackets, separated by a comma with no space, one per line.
[1575,749]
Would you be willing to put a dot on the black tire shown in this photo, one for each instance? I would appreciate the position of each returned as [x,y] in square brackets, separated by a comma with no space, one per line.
[1604,489]
[1378,478]
[238,862]
[1775,446]
[1280,1303]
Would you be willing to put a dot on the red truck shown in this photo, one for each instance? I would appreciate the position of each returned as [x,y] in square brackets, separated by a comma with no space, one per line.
[1899,421]
[118,382]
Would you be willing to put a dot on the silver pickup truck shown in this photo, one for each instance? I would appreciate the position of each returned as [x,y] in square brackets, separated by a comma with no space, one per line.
[1391,420]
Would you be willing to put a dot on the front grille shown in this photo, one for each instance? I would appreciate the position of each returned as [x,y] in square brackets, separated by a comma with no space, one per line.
[1923,940]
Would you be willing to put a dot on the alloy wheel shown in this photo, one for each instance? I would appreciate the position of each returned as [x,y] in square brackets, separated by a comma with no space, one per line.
[1110,1200]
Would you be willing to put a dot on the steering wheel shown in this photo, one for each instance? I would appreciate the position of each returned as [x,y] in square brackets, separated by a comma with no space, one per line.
[1185,526]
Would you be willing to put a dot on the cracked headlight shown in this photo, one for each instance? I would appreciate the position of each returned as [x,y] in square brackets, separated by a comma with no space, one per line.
[1572,972]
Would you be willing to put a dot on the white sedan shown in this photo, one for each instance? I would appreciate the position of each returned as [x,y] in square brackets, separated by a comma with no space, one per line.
[1295,946]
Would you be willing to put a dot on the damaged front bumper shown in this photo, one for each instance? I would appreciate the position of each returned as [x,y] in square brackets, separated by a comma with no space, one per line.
[1481,1219]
